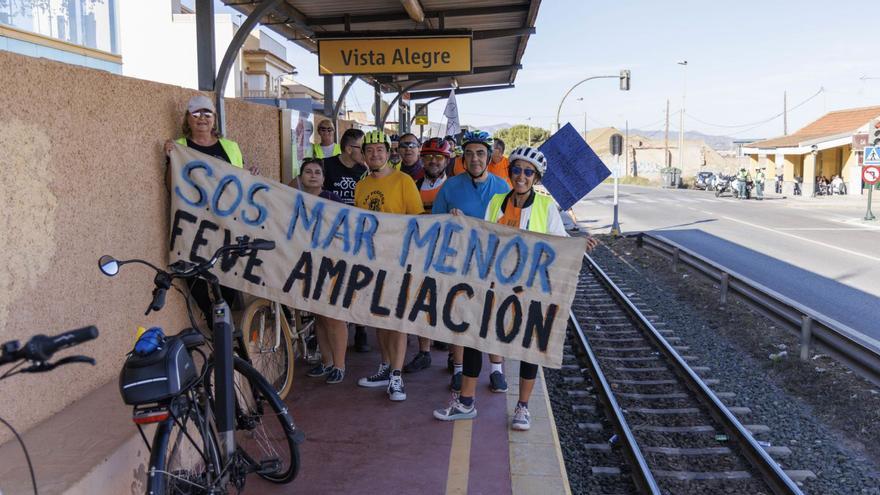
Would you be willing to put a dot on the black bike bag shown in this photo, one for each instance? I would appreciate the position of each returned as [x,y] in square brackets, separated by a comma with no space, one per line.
[158,376]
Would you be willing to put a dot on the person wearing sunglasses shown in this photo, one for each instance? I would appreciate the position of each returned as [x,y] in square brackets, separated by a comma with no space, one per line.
[326,145]
[410,161]
[525,209]
[200,133]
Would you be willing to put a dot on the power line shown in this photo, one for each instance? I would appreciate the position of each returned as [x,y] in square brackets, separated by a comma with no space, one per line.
[761,122]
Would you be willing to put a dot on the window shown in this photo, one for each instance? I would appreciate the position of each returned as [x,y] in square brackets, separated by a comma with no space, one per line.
[90,23]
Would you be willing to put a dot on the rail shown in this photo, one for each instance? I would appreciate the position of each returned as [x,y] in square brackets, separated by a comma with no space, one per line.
[836,339]
[760,460]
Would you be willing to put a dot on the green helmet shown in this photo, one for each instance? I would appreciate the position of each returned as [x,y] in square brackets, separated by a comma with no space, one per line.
[376,137]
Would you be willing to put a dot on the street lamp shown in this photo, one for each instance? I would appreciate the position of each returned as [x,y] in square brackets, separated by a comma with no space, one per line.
[624,78]
[529,142]
[683,63]
[585,119]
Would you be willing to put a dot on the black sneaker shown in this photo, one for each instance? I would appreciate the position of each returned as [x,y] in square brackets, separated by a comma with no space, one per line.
[455,384]
[419,362]
[336,375]
[497,383]
[319,370]
[360,339]
[379,379]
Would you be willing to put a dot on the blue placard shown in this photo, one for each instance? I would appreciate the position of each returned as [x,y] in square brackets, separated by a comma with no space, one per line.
[573,169]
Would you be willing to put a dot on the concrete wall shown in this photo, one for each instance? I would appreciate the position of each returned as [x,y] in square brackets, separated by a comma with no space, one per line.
[83,176]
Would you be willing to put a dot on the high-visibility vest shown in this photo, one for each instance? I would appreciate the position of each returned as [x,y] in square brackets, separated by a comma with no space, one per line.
[760,177]
[318,151]
[539,211]
[230,147]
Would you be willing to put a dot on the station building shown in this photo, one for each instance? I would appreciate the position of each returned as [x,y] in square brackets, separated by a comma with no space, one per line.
[831,145]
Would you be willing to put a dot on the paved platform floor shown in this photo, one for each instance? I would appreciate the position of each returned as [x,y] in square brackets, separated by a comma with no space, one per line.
[358,441]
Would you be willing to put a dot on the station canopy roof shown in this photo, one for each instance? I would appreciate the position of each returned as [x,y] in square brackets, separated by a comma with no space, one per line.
[500,29]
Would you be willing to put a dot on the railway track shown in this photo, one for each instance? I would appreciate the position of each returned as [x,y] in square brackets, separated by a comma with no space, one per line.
[641,392]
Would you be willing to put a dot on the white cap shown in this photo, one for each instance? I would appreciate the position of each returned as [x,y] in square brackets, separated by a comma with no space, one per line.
[200,102]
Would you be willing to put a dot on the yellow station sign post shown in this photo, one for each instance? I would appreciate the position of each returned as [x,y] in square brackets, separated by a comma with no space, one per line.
[403,55]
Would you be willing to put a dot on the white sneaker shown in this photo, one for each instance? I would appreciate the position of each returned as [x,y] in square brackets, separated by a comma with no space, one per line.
[396,392]
[455,410]
[521,419]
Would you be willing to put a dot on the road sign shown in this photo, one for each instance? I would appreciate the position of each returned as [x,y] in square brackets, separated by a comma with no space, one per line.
[871,174]
[616,144]
[404,55]
[421,114]
[871,156]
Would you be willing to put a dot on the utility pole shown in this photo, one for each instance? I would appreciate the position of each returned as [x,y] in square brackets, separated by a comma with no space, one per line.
[681,117]
[785,113]
[666,163]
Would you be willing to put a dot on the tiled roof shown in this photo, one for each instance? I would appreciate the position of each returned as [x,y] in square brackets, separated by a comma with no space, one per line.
[830,124]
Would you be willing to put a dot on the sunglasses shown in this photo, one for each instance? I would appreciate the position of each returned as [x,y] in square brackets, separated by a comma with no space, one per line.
[519,170]
[408,145]
[431,158]
[202,113]
[325,129]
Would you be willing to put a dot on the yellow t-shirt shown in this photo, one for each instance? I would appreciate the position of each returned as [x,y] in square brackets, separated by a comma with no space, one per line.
[395,193]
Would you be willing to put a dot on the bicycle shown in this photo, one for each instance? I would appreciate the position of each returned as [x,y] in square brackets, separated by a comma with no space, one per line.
[39,351]
[211,434]
[267,325]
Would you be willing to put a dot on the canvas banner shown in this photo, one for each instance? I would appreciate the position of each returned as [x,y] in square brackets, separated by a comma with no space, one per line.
[454,279]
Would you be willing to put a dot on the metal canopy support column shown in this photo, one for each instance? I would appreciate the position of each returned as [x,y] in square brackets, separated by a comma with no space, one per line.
[403,90]
[232,52]
[342,94]
[205,43]
[377,105]
[328,100]
[402,128]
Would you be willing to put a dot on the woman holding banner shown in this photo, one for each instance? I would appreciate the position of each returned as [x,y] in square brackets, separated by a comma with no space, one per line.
[332,333]
[526,209]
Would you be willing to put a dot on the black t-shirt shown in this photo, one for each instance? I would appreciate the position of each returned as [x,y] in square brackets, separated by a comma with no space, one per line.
[215,150]
[340,179]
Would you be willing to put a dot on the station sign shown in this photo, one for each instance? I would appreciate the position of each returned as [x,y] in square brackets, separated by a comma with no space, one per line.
[403,55]
[421,114]
[871,174]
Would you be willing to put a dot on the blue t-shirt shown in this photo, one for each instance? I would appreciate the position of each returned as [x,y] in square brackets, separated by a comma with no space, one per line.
[459,192]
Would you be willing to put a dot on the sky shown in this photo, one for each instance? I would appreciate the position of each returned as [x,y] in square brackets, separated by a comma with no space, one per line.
[742,56]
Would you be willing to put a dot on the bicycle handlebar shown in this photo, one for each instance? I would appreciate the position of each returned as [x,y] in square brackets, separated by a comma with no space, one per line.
[40,348]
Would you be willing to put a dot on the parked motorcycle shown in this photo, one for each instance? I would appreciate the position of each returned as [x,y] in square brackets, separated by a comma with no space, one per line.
[722,184]
[749,186]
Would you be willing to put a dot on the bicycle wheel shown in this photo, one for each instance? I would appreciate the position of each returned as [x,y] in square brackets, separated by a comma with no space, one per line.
[184,458]
[265,436]
[271,356]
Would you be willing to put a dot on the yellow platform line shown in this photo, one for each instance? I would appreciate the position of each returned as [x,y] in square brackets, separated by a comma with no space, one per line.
[459,458]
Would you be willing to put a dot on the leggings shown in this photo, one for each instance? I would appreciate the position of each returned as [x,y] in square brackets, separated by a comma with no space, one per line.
[473,362]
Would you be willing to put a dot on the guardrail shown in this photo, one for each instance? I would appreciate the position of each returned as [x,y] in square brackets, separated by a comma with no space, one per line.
[836,339]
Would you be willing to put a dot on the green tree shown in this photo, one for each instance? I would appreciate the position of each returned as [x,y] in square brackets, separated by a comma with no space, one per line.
[518,135]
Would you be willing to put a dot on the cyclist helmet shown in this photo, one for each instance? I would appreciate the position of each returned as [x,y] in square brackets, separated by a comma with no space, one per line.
[395,138]
[377,137]
[437,146]
[531,155]
[479,137]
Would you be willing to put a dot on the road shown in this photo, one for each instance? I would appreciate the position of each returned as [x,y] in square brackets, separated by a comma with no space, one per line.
[819,253]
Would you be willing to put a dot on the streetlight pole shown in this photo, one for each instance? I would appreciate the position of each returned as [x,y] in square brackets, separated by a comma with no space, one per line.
[529,143]
[623,74]
[681,117]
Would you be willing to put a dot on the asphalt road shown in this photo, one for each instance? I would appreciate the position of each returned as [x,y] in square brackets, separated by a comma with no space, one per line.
[820,253]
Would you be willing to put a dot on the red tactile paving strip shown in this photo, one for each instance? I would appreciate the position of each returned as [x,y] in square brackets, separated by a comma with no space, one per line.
[359,442]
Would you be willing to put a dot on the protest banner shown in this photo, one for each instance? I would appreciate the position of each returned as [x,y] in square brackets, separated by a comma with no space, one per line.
[454,279]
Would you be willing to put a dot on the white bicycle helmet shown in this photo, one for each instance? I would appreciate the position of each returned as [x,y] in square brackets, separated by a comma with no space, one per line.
[531,155]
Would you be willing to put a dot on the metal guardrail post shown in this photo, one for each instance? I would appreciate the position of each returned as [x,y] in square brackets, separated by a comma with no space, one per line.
[806,336]
[725,286]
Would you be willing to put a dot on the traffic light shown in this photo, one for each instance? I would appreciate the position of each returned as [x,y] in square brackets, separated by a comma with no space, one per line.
[624,80]
[874,133]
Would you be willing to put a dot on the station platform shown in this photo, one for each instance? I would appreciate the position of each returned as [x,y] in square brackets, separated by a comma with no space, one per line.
[358,441]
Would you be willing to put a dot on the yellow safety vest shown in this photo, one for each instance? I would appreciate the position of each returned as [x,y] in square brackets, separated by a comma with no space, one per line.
[318,151]
[230,147]
[538,215]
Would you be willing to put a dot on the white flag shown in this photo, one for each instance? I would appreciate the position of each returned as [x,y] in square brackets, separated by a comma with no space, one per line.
[451,114]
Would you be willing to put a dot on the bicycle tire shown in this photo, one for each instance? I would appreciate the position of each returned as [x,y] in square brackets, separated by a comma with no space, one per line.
[277,366]
[184,455]
[258,439]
